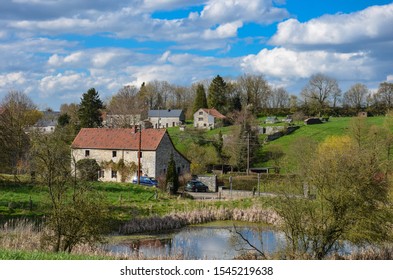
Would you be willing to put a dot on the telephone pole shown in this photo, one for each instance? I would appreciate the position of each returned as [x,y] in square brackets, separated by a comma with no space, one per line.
[139,154]
[248,153]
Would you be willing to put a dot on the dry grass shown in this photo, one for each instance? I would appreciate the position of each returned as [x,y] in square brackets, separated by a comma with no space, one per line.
[24,236]
[206,215]
[383,253]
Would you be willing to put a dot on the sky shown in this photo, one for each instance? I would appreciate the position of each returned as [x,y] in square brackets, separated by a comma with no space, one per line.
[55,50]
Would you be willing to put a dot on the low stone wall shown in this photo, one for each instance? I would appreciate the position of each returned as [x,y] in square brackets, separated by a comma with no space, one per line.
[210,181]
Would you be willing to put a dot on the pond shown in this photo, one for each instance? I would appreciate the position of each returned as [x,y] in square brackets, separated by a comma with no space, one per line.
[202,242]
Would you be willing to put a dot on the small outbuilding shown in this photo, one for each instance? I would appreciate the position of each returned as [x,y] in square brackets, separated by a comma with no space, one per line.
[312,121]
[363,114]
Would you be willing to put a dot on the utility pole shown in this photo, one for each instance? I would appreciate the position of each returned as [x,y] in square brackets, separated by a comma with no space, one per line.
[248,153]
[139,154]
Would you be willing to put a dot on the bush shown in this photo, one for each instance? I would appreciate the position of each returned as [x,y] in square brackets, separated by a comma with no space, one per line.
[88,169]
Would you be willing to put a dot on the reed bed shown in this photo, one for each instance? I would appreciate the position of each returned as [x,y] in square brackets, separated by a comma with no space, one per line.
[205,215]
[378,253]
[24,240]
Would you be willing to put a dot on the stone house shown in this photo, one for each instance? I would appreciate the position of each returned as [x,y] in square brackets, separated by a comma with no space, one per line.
[112,144]
[208,118]
[166,118]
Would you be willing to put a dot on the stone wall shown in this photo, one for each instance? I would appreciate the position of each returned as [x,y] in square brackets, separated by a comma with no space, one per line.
[210,181]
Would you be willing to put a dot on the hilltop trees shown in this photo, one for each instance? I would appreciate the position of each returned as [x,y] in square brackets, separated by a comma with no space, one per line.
[90,109]
[355,97]
[319,91]
[385,92]
[254,92]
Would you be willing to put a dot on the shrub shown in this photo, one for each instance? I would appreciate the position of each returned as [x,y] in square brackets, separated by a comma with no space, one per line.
[88,169]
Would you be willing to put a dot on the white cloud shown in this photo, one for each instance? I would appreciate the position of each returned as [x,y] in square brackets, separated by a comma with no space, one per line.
[371,24]
[228,30]
[259,11]
[389,78]
[12,80]
[284,63]
[168,5]
[51,85]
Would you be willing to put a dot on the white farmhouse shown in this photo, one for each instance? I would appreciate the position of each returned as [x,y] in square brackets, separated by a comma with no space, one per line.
[208,118]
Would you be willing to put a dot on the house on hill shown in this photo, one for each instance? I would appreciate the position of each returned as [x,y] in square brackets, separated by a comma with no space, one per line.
[208,118]
[48,122]
[113,144]
[166,118]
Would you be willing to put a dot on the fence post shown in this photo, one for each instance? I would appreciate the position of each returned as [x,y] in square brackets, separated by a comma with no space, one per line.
[230,185]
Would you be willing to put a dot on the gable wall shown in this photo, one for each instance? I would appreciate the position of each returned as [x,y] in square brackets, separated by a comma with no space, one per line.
[164,151]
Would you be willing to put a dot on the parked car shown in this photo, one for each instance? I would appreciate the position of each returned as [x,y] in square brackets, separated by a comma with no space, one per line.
[196,186]
[146,181]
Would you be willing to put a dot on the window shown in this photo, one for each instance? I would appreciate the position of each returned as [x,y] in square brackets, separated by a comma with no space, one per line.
[178,170]
[114,174]
[140,154]
[200,113]
[114,153]
[87,153]
[200,119]
[101,173]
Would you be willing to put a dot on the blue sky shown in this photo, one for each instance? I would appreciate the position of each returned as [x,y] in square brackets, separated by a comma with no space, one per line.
[54,50]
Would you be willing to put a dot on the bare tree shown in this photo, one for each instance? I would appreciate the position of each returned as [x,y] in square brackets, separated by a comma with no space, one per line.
[319,91]
[125,108]
[355,97]
[279,98]
[385,91]
[254,90]
[72,201]
[18,113]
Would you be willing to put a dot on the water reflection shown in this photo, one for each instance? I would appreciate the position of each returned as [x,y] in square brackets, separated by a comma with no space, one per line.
[202,243]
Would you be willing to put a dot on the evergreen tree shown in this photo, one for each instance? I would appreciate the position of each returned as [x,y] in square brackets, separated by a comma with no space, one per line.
[248,144]
[217,94]
[172,177]
[90,109]
[200,99]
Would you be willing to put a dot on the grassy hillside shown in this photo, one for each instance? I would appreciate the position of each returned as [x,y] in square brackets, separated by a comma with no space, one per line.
[317,132]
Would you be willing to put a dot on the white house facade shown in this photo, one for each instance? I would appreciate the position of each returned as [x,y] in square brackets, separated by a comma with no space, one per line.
[166,118]
[207,118]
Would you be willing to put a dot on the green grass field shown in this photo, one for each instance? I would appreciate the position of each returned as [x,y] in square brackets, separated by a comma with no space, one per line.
[37,255]
[336,126]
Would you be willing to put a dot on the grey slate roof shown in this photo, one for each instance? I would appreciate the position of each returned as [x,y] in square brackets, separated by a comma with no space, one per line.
[165,113]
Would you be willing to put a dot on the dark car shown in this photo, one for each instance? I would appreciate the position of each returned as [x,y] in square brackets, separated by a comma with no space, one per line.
[146,181]
[196,186]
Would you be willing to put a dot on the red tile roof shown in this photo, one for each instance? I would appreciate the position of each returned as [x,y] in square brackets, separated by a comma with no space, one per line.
[213,112]
[117,138]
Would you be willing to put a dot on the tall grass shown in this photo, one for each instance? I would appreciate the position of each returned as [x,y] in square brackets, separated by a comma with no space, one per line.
[23,240]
